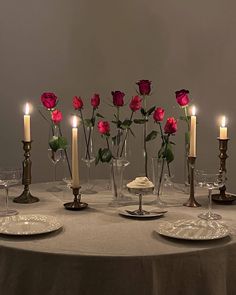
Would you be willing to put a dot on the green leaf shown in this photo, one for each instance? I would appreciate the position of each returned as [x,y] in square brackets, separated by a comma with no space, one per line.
[106,155]
[140,121]
[62,142]
[126,124]
[53,143]
[98,157]
[152,135]
[57,143]
[169,154]
[99,115]
[150,111]
[143,112]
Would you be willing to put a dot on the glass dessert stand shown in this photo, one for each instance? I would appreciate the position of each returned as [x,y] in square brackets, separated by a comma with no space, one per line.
[140,192]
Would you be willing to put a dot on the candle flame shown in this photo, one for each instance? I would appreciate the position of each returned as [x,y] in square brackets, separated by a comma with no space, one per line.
[27,108]
[75,122]
[193,110]
[223,121]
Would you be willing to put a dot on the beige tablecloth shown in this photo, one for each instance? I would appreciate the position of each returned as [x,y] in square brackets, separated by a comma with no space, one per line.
[100,252]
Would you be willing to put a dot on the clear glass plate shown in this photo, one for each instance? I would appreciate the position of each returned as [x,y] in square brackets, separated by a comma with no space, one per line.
[25,225]
[193,229]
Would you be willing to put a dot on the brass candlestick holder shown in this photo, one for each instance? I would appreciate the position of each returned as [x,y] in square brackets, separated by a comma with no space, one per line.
[191,201]
[26,197]
[223,197]
[76,204]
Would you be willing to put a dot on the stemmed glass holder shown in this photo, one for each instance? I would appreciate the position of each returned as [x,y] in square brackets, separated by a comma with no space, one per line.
[26,196]
[76,204]
[223,197]
[191,201]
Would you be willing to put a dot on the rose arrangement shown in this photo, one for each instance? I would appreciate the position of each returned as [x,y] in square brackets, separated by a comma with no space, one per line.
[165,152]
[108,154]
[87,123]
[50,101]
[122,128]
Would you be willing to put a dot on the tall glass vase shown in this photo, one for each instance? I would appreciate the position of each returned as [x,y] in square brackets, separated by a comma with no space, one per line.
[117,180]
[118,165]
[162,179]
[88,159]
[55,155]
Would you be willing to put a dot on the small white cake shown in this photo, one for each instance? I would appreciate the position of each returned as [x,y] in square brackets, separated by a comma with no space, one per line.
[140,182]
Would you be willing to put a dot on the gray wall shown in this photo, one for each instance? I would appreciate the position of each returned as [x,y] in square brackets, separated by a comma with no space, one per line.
[81,47]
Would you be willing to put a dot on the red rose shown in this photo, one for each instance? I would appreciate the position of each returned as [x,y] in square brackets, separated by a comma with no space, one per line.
[77,103]
[49,100]
[144,87]
[95,101]
[56,116]
[135,103]
[158,115]
[171,126]
[103,127]
[118,98]
[182,97]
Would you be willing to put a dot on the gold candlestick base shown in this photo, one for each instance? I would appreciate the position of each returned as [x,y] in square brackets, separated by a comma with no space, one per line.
[26,197]
[76,205]
[223,197]
[191,201]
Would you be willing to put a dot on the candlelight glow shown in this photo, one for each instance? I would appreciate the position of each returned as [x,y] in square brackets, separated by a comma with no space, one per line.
[223,121]
[75,122]
[193,110]
[27,108]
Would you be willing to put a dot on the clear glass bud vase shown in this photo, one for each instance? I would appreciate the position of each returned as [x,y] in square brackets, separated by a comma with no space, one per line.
[118,165]
[88,159]
[162,179]
[55,154]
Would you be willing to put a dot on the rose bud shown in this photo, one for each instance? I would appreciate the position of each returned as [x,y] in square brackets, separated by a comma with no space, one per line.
[103,127]
[77,103]
[56,116]
[144,87]
[118,98]
[158,115]
[95,101]
[182,97]
[49,100]
[171,126]
[135,103]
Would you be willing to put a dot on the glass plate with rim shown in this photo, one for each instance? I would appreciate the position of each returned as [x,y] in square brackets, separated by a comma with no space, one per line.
[193,229]
[26,225]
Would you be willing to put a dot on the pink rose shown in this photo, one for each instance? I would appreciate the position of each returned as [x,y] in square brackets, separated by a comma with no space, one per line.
[144,87]
[135,103]
[118,98]
[182,97]
[77,103]
[56,116]
[103,127]
[95,101]
[171,126]
[49,100]
[158,115]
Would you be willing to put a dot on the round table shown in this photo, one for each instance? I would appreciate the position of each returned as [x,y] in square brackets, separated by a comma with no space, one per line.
[100,252]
